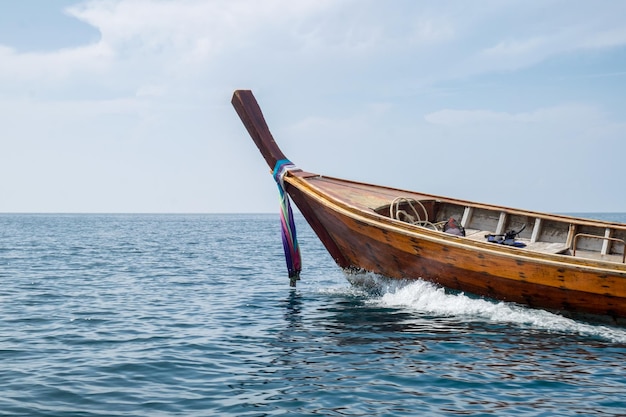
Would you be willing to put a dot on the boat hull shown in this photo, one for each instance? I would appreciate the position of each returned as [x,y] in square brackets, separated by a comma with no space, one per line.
[572,265]
[357,241]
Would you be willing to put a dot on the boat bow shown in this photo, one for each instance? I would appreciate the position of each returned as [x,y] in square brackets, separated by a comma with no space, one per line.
[555,262]
[250,114]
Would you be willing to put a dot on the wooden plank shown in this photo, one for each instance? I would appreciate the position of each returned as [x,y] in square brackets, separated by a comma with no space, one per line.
[501,223]
[606,244]
[467,216]
[536,230]
[548,247]
[570,235]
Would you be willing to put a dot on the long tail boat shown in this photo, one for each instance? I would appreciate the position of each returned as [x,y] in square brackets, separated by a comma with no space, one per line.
[548,261]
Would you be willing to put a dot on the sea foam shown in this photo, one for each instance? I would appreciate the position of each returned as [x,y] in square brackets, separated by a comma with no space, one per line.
[423,297]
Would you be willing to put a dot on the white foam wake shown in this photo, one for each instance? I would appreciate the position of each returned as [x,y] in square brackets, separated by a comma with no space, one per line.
[425,297]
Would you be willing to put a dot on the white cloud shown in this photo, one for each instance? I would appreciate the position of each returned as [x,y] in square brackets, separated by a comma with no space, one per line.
[53,66]
[510,49]
[606,38]
[560,158]
[146,39]
[569,114]
[162,38]
[456,117]
[432,31]
[159,79]
[190,27]
[525,34]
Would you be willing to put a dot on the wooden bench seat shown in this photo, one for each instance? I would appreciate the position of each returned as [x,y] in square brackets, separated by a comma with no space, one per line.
[545,247]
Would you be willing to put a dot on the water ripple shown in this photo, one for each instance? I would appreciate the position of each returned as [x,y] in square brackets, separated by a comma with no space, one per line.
[128,315]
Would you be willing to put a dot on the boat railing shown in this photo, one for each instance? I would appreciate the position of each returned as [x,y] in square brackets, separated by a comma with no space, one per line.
[587,235]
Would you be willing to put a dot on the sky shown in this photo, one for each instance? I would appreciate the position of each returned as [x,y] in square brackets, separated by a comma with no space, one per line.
[124,106]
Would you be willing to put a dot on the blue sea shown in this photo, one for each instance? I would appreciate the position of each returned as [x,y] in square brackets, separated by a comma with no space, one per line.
[192,315]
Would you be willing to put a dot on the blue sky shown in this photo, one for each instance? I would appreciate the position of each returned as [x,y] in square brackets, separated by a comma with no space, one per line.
[124,106]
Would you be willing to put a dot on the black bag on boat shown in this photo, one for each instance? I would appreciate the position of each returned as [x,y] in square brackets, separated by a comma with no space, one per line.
[507,239]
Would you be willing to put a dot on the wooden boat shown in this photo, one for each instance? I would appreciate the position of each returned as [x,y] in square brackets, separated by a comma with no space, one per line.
[547,261]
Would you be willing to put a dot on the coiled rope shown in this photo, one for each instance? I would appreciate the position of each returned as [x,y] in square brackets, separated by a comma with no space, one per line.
[415,218]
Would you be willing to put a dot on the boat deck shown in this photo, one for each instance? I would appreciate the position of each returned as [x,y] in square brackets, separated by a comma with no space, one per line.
[545,247]
[542,233]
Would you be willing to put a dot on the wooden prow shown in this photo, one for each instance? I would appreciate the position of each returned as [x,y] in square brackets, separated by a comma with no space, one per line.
[250,114]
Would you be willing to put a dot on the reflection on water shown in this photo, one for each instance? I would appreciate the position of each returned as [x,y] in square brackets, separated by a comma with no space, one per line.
[293,309]
[509,360]
[122,315]
[413,358]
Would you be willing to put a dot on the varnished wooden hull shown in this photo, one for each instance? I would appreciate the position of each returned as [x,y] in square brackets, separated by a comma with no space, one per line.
[349,219]
[358,241]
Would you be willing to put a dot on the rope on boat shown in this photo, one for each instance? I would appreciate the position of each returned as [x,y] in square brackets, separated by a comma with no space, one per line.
[290,240]
[396,213]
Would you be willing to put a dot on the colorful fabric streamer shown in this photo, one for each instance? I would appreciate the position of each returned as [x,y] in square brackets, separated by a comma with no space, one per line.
[290,240]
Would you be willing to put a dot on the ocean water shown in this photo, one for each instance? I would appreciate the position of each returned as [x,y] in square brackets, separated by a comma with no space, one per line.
[192,315]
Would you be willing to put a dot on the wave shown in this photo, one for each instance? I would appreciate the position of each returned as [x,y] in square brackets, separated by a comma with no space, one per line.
[427,298]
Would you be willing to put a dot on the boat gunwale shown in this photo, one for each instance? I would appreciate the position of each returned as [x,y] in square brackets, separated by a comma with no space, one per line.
[565,218]
[522,254]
